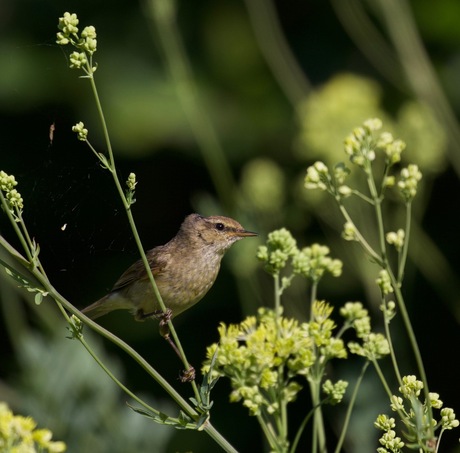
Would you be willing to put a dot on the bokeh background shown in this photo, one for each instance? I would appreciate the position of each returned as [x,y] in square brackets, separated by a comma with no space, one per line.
[267,89]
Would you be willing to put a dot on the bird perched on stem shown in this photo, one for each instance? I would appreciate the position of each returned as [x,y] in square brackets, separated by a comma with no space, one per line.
[184,270]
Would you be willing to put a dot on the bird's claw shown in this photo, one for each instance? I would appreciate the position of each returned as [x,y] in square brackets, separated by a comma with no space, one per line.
[187,375]
[163,316]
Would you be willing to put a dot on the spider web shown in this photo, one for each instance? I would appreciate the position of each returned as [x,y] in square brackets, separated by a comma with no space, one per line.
[73,211]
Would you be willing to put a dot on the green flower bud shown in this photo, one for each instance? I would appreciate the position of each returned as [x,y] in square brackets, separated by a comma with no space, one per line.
[349,232]
[448,420]
[435,402]
[280,247]
[397,403]
[373,124]
[384,282]
[68,24]
[341,172]
[390,441]
[7,182]
[374,347]
[411,386]
[396,239]
[384,423]
[82,132]
[131,181]
[77,60]
[408,182]
[312,262]
[335,391]
[318,177]
[14,198]
[345,191]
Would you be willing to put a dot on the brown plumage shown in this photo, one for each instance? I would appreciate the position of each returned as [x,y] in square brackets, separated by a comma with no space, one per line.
[184,269]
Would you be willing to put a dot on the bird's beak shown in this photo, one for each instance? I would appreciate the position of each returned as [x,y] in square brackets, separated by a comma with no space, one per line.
[244,233]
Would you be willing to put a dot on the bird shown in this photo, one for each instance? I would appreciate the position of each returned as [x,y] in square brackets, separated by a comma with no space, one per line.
[184,270]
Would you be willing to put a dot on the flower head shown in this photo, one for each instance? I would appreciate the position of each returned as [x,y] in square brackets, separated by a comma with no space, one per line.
[280,247]
[408,181]
[318,177]
[312,262]
[81,131]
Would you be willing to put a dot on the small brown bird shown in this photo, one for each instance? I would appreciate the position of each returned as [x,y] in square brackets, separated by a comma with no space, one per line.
[184,269]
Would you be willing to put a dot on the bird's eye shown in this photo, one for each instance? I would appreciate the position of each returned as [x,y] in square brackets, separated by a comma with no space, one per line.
[220,226]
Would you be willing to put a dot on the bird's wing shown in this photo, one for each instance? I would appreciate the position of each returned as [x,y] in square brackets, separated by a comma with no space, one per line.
[157,261]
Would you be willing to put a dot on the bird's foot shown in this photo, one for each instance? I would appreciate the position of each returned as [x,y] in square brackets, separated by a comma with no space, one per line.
[187,375]
[163,316]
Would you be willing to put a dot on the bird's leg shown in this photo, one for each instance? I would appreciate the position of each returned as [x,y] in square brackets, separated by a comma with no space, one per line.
[164,318]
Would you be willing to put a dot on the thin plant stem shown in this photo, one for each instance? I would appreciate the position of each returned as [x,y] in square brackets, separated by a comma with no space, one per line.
[354,395]
[17,230]
[301,429]
[96,358]
[403,255]
[390,342]
[413,342]
[318,423]
[313,294]
[319,439]
[379,217]
[268,431]
[360,238]
[382,378]
[385,385]
[111,167]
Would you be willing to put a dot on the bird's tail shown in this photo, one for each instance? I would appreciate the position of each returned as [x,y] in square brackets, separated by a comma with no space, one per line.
[105,305]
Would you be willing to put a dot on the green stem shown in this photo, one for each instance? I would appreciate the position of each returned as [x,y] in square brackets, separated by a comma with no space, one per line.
[281,417]
[301,429]
[413,342]
[277,290]
[81,339]
[17,230]
[390,342]
[137,238]
[319,438]
[313,295]
[268,431]
[346,422]
[378,213]
[385,385]
[403,255]
[360,238]
[382,378]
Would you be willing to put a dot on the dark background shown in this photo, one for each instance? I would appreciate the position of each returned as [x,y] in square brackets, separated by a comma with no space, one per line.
[264,111]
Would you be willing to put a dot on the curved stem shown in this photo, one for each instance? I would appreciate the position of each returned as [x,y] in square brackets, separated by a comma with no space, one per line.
[413,342]
[360,238]
[404,251]
[346,422]
[390,342]
[301,430]
[137,238]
